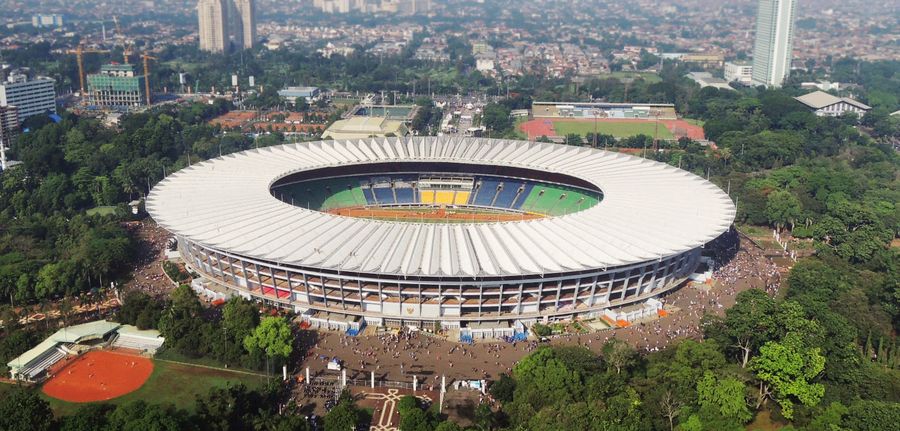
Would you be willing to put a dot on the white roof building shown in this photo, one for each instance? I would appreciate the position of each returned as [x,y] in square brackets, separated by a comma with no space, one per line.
[825,104]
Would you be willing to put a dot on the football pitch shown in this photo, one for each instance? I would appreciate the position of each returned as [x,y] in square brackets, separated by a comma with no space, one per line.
[617,129]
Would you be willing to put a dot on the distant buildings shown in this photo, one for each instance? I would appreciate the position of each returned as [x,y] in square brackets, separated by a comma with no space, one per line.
[827,105]
[404,7]
[43,20]
[116,87]
[739,71]
[30,96]
[774,41]
[226,24]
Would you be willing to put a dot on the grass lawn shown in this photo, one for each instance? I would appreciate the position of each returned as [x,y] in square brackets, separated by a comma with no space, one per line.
[173,383]
[619,130]
[650,77]
[694,121]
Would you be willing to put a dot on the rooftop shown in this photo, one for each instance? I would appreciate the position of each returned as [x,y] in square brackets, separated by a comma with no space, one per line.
[650,210]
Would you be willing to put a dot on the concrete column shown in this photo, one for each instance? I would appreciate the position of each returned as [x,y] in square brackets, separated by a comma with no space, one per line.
[372,377]
[593,291]
[443,391]
[415,383]
[343,378]
[307,375]
[284,372]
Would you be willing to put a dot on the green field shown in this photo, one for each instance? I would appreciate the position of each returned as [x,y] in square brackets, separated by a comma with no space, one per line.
[173,383]
[650,77]
[619,130]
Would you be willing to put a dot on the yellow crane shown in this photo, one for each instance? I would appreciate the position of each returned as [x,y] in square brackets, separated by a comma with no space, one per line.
[145,58]
[126,50]
[79,56]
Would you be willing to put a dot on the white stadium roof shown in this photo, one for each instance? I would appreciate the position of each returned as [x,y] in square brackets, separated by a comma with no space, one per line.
[649,210]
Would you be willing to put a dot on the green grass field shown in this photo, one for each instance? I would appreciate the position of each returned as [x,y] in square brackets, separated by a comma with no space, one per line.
[172,383]
[650,77]
[619,130]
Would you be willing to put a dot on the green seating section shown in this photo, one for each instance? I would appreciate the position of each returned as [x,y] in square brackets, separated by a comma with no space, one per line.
[557,200]
[325,194]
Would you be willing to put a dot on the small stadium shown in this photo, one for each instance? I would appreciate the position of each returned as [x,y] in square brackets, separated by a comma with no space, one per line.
[555,120]
[104,361]
[483,236]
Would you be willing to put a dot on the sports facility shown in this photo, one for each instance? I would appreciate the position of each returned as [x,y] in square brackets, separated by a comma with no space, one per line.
[482,235]
[621,120]
[98,375]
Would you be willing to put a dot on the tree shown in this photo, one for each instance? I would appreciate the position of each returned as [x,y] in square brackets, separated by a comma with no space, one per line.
[504,388]
[484,417]
[788,368]
[24,410]
[871,415]
[344,416]
[618,354]
[273,336]
[723,397]
[783,208]
[750,322]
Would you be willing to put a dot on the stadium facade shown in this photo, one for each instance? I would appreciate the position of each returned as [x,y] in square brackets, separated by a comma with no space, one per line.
[598,230]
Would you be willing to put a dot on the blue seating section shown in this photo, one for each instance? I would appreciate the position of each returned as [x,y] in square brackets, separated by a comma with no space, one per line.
[506,196]
[520,199]
[405,195]
[384,195]
[486,192]
[370,196]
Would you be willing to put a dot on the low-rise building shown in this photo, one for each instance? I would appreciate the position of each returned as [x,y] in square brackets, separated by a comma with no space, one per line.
[828,105]
[706,79]
[291,94]
[739,71]
[365,127]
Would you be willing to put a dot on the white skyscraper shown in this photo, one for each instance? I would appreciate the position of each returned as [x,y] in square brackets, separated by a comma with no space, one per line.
[774,42]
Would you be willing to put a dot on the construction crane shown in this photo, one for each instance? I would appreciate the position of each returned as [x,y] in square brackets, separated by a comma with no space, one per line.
[79,56]
[126,50]
[146,57]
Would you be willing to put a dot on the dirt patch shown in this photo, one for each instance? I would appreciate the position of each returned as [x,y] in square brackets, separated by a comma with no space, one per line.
[99,376]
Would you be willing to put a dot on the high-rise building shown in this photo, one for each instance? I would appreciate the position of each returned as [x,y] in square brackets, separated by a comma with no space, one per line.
[212,15]
[244,24]
[117,86]
[31,96]
[9,129]
[774,42]
[226,24]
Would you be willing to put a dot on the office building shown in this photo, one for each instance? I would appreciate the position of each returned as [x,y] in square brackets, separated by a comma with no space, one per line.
[31,96]
[226,24]
[739,71]
[117,87]
[45,20]
[774,42]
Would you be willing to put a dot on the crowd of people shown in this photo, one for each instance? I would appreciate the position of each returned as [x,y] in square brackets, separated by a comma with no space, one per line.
[738,265]
[149,276]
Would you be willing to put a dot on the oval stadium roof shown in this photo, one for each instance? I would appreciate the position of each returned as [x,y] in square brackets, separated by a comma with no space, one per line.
[649,210]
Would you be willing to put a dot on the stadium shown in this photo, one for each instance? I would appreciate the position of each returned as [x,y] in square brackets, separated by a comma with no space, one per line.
[480,235]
